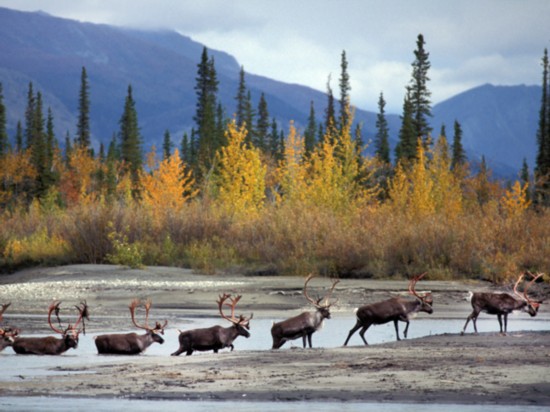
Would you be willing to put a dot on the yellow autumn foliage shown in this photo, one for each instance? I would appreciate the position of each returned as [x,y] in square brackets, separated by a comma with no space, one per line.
[515,202]
[240,179]
[168,186]
[292,170]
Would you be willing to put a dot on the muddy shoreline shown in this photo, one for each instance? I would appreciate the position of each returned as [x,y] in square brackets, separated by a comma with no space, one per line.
[472,369]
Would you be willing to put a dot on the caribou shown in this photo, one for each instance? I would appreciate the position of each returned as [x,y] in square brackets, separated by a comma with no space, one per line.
[394,309]
[51,345]
[305,324]
[132,343]
[7,333]
[216,337]
[501,304]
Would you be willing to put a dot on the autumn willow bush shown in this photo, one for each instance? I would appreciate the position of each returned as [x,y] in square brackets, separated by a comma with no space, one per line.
[318,212]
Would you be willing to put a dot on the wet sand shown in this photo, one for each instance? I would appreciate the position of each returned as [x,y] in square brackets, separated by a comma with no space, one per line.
[481,369]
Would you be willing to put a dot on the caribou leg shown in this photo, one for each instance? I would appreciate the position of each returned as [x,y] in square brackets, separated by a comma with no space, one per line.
[397,328]
[352,331]
[309,339]
[362,333]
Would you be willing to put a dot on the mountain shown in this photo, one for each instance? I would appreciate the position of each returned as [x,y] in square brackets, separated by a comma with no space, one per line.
[498,122]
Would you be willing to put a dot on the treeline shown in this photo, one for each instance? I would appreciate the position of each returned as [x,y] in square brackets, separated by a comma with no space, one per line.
[239,194]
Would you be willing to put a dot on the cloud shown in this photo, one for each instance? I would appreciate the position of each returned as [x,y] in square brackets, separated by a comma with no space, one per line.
[471,42]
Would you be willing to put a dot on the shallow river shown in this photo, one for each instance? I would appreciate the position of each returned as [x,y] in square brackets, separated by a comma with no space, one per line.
[334,333]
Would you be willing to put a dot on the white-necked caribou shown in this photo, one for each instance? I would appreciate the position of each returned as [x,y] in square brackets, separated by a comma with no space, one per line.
[305,324]
[501,304]
[50,345]
[395,309]
[132,343]
[216,337]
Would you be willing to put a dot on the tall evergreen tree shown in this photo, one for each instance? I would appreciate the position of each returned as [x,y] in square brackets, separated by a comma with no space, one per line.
[83,134]
[381,140]
[406,146]
[207,140]
[30,117]
[130,139]
[443,131]
[38,148]
[19,137]
[419,93]
[275,147]
[526,180]
[311,130]
[4,142]
[330,113]
[241,100]
[542,167]
[262,126]
[345,89]
[166,145]
[185,148]
[249,116]
[458,153]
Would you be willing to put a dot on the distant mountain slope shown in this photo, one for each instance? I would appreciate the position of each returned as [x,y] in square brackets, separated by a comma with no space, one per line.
[161,66]
[499,122]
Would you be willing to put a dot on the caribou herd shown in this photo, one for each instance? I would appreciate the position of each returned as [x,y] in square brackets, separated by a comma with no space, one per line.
[304,325]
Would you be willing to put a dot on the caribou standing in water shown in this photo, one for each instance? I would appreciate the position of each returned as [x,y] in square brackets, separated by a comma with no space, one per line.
[50,345]
[395,309]
[216,337]
[501,304]
[7,333]
[131,343]
[305,324]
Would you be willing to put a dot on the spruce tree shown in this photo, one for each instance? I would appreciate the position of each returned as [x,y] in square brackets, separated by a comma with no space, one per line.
[262,126]
[345,89]
[83,134]
[38,148]
[29,117]
[185,148]
[166,145]
[419,92]
[311,131]
[4,142]
[205,138]
[130,139]
[459,155]
[542,167]
[241,100]
[405,149]
[249,116]
[274,141]
[381,140]
[330,114]
[19,137]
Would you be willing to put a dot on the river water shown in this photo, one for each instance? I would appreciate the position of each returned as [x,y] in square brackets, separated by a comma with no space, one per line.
[334,333]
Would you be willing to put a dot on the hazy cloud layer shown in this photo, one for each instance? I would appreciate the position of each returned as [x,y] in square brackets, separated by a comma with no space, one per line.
[471,42]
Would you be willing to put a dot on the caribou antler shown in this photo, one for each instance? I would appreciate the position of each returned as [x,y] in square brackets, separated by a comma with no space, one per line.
[54,307]
[4,307]
[525,296]
[317,303]
[242,320]
[158,326]
[426,297]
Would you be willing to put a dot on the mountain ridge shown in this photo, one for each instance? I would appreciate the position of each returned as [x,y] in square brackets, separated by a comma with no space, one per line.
[498,122]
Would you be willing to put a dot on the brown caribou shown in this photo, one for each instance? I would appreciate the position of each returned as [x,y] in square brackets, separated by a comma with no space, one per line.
[50,345]
[131,343]
[305,324]
[7,333]
[216,337]
[501,304]
[395,309]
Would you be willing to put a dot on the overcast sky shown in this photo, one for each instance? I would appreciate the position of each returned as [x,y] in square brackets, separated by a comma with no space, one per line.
[471,42]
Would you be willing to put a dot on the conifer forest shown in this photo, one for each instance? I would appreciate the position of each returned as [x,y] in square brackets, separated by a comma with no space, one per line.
[242,192]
